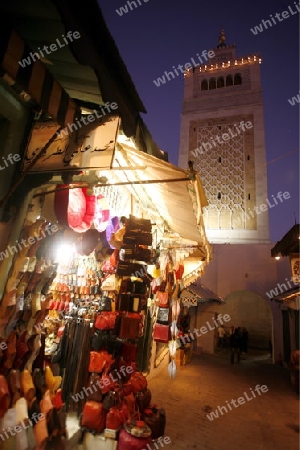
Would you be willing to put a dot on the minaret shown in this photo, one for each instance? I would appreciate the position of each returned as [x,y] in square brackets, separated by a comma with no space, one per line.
[222,131]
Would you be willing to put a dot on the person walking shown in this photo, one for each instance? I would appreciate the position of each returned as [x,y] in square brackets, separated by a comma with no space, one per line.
[221,334]
[235,345]
[245,336]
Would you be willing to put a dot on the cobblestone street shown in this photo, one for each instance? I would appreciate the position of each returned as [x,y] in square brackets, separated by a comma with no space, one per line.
[267,422]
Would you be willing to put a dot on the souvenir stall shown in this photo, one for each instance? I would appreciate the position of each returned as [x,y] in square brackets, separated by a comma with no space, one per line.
[93,288]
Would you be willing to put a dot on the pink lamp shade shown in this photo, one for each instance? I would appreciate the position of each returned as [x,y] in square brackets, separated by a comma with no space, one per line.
[75,208]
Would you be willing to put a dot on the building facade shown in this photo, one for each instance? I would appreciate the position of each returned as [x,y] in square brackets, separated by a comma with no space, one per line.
[222,131]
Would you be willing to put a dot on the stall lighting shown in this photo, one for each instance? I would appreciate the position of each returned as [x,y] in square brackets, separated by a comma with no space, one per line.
[65,253]
[277,257]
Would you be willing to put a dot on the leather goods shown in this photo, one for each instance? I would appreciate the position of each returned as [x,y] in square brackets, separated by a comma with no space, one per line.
[136,223]
[99,360]
[111,399]
[138,382]
[143,399]
[108,383]
[106,320]
[105,304]
[155,418]
[127,269]
[27,385]
[94,388]
[163,315]
[127,441]
[161,333]
[130,326]
[116,417]
[129,352]
[124,302]
[93,416]
[4,396]
[163,299]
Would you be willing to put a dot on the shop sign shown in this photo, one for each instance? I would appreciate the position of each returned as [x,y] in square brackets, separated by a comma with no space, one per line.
[91,147]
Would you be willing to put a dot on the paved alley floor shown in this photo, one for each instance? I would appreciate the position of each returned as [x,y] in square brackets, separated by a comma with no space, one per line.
[269,421]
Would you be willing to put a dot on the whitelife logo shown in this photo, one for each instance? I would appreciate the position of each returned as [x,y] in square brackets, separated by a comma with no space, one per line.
[241,401]
[33,56]
[267,23]
[204,330]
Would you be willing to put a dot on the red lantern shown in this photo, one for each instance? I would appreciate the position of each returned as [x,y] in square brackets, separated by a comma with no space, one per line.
[75,208]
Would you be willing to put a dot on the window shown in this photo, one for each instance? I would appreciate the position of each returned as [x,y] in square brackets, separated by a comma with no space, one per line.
[237,79]
[219,196]
[219,159]
[204,85]
[248,157]
[212,83]
[249,196]
[220,82]
[229,80]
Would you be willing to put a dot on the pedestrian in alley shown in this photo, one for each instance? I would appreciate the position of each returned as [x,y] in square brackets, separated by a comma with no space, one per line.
[235,345]
[222,339]
[245,336]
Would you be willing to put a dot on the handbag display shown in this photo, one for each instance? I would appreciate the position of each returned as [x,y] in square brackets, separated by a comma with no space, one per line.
[137,223]
[93,389]
[137,237]
[130,326]
[155,418]
[163,315]
[143,399]
[138,382]
[163,299]
[105,304]
[127,269]
[106,320]
[161,333]
[124,302]
[129,352]
[93,416]
[99,361]
[116,417]
[127,441]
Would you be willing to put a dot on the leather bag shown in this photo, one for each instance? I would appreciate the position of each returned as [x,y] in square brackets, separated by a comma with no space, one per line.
[161,333]
[93,416]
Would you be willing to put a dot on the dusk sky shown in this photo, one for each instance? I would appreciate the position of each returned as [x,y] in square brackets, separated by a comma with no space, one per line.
[160,34]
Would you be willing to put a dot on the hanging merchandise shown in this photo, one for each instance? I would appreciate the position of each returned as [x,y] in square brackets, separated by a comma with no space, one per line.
[74,208]
[102,213]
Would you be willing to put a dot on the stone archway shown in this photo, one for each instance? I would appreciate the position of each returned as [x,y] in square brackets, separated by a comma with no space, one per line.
[250,310]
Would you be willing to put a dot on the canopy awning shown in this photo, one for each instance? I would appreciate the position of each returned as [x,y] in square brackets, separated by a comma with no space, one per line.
[171,199]
[196,293]
[290,298]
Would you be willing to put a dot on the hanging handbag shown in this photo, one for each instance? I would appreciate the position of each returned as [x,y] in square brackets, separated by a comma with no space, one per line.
[105,304]
[116,417]
[163,299]
[137,223]
[124,302]
[161,333]
[106,320]
[138,382]
[163,315]
[93,416]
[130,326]
[129,352]
[99,360]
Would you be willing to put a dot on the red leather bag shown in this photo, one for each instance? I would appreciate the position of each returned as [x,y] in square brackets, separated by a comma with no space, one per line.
[127,441]
[93,416]
[138,382]
[99,361]
[106,320]
[108,383]
[161,333]
[163,299]
[130,327]
[129,352]
[116,417]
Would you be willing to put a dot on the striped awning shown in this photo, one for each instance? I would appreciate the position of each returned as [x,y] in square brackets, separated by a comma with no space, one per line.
[34,78]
